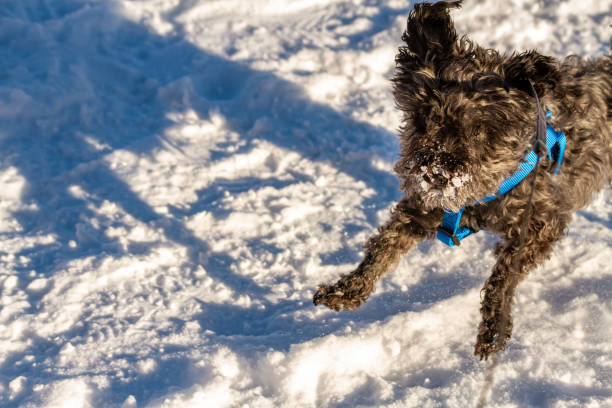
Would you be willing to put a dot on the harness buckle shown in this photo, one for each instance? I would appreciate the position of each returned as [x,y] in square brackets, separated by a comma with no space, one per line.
[453,237]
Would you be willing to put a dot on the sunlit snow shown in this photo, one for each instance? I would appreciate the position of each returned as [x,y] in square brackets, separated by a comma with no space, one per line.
[178,176]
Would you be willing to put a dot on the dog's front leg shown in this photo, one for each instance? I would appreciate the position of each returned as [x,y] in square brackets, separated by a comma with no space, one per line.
[513,264]
[406,228]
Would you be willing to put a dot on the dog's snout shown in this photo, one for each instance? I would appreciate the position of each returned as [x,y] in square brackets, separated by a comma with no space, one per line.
[436,180]
[449,162]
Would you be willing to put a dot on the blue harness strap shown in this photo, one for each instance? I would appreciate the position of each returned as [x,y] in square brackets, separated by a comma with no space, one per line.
[452,234]
[555,143]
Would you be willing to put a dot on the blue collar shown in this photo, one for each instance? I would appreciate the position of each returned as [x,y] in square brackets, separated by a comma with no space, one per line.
[451,233]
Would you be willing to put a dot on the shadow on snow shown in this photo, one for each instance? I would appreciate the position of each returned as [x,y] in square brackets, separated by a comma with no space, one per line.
[87,100]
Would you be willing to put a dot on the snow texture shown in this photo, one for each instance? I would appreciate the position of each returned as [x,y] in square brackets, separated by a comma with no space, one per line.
[178,176]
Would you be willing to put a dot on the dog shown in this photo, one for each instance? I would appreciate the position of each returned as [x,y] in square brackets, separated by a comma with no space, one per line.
[470,118]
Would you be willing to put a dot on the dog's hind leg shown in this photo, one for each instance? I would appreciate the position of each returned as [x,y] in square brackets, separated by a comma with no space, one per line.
[406,228]
[545,228]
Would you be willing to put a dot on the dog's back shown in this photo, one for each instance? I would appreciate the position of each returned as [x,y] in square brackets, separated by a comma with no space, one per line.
[582,102]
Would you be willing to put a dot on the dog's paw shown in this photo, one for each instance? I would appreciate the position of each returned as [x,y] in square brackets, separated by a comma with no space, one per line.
[489,341]
[484,350]
[336,298]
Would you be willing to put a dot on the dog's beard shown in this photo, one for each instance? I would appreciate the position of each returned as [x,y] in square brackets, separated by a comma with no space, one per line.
[450,192]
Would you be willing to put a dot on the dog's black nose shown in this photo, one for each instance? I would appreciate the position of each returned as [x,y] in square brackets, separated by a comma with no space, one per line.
[449,161]
[436,180]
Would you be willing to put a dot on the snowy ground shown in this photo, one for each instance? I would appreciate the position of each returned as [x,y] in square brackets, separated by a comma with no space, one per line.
[177,176]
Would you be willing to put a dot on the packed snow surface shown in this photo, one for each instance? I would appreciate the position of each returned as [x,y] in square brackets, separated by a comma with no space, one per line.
[178,176]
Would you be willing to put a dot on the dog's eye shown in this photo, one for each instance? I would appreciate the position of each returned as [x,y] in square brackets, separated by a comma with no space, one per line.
[419,123]
[478,131]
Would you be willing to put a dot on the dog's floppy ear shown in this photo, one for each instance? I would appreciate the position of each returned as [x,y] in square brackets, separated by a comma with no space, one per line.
[532,66]
[430,32]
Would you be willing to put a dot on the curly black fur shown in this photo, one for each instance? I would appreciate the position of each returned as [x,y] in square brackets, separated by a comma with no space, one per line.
[469,117]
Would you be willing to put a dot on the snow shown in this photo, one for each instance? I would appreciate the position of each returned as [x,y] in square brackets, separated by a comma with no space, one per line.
[178,176]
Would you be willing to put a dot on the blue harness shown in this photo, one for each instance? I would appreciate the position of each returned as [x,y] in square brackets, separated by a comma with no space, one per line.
[452,234]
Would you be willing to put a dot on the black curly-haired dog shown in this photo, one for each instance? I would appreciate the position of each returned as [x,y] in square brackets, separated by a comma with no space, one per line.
[470,119]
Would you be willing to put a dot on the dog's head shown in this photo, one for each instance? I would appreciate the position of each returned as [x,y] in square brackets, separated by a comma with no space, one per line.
[469,113]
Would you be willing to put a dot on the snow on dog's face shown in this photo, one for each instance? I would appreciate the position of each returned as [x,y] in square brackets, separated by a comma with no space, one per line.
[434,165]
[468,114]
[460,144]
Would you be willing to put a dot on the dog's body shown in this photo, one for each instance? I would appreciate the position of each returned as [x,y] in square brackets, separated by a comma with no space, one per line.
[469,119]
